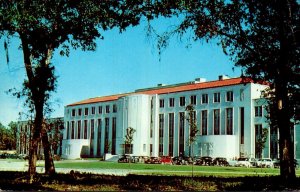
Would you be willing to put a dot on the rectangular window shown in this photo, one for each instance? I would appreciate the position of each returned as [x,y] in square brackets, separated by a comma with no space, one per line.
[161,103]
[204,122]
[73,112]
[204,98]
[86,111]
[72,130]
[193,99]
[161,133]
[93,110]
[229,96]
[85,127]
[258,111]
[171,102]
[107,109]
[106,142]
[68,130]
[181,132]
[182,101]
[114,135]
[78,129]
[258,134]
[92,137]
[241,94]
[79,112]
[99,138]
[171,134]
[242,124]
[114,108]
[229,121]
[100,110]
[217,97]
[216,121]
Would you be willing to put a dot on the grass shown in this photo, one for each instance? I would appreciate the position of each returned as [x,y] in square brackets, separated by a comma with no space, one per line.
[157,169]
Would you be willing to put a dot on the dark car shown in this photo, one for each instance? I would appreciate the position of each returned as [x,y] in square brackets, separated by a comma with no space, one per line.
[220,161]
[182,160]
[276,163]
[205,160]
[124,159]
[153,160]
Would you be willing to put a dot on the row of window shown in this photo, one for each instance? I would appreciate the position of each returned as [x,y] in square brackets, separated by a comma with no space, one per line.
[193,99]
[92,110]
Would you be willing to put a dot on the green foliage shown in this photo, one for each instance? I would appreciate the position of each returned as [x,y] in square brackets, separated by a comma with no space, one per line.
[8,136]
[261,141]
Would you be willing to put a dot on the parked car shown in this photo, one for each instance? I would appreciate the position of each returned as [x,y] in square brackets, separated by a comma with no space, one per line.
[265,162]
[153,160]
[166,160]
[124,159]
[246,162]
[220,161]
[276,163]
[205,160]
[182,160]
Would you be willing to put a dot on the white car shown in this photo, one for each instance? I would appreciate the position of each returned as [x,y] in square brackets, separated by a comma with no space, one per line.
[246,162]
[265,162]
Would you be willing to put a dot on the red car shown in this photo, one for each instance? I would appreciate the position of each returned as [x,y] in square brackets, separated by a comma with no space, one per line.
[166,160]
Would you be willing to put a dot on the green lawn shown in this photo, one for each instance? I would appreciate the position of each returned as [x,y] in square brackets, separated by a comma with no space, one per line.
[152,169]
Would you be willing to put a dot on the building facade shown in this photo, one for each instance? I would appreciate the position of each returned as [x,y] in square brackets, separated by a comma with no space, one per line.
[229,113]
[54,128]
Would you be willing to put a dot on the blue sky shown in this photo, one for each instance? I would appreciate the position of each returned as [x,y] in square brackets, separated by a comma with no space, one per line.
[122,63]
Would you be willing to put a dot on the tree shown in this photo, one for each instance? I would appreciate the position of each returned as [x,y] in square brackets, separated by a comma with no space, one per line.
[260,141]
[262,37]
[129,138]
[56,25]
[8,136]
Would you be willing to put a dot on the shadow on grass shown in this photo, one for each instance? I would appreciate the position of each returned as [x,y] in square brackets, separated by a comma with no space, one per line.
[17,181]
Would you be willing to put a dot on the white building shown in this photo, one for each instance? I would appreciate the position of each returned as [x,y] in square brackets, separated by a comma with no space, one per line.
[229,114]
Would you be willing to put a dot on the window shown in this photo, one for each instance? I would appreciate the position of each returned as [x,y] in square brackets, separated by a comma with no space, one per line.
[86,111]
[171,102]
[79,112]
[100,109]
[258,111]
[181,132]
[114,135]
[99,138]
[78,129]
[161,103]
[85,126]
[193,99]
[106,142]
[92,137]
[229,96]
[114,108]
[73,112]
[204,98]
[204,122]
[171,133]
[258,135]
[107,109]
[241,94]
[93,110]
[161,133]
[72,130]
[216,114]
[68,129]
[229,121]
[182,101]
[217,97]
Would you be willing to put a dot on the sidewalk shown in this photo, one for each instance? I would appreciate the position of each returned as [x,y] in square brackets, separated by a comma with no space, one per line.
[12,165]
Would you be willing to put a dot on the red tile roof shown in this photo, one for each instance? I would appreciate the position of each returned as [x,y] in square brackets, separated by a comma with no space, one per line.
[169,89]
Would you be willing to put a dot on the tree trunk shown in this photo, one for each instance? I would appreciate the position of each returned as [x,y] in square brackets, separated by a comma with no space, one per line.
[35,139]
[49,164]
